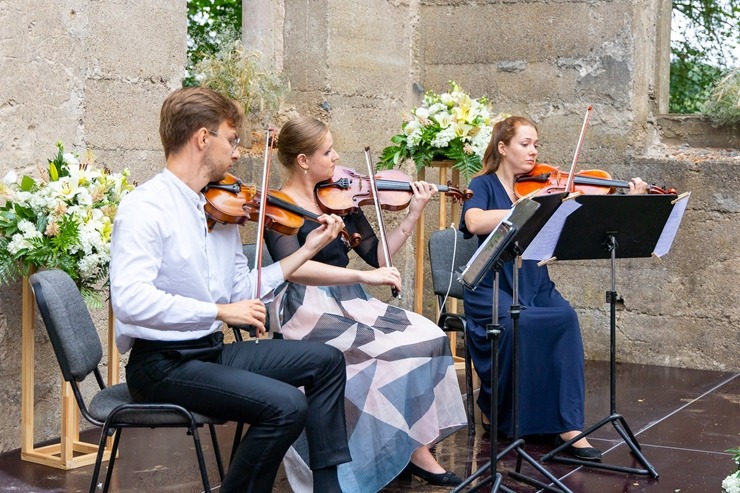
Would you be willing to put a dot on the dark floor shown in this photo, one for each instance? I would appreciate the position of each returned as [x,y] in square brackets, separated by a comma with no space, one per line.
[684,420]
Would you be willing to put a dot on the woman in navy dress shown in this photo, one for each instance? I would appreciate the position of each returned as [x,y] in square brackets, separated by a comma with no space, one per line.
[551,366]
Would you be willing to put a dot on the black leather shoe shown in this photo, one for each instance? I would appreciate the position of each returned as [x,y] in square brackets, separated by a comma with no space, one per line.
[583,453]
[486,427]
[447,478]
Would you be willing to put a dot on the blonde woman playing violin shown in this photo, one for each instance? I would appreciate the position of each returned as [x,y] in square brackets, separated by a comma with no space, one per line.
[402,393]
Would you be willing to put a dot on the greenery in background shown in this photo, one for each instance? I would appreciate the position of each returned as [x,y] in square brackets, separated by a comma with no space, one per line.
[699,61]
[63,220]
[218,59]
[208,20]
[724,101]
[241,75]
[731,484]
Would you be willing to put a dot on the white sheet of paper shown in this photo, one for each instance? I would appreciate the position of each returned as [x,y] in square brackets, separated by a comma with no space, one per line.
[671,226]
[543,245]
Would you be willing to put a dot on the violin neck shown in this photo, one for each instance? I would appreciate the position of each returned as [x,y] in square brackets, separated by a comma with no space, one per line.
[278,202]
[599,182]
[402,186]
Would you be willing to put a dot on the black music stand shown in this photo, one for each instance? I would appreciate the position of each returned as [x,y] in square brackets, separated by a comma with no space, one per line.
[506,242]
[610,227]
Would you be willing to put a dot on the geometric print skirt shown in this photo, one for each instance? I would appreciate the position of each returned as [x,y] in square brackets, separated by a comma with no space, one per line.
[402,390]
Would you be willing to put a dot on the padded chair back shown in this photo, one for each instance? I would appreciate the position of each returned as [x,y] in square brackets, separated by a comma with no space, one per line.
[444,267]
[71,330]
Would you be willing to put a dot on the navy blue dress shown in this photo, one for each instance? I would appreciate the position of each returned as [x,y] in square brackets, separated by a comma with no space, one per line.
[551,369]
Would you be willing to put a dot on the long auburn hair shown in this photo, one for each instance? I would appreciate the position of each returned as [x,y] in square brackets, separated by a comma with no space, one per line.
[503,131]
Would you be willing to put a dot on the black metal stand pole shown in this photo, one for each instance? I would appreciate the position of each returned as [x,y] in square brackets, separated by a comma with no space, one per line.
[617,420]
[493,330]
[518,443]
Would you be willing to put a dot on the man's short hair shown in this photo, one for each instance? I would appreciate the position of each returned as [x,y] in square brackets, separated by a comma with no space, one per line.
[189,109]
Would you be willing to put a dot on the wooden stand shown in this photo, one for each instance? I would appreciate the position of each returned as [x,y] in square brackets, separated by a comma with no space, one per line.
[443,222]
[70,452]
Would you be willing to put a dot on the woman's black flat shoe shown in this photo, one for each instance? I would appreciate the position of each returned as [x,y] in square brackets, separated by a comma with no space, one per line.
[447,478]
[583,453]
[486,427]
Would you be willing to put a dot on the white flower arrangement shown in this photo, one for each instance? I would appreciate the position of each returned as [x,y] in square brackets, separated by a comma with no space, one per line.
[731,484]
[62,221]
[451,125]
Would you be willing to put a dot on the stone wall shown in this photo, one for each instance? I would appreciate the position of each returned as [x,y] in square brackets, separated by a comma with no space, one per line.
[94,74]
[360,65]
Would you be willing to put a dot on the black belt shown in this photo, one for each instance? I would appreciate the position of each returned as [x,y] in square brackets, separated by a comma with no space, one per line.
[204,348]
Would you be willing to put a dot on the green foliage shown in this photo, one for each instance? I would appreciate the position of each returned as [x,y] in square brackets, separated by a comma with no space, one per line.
[711,30]
[691,83]
[209,23]
[723,103]
[241,75]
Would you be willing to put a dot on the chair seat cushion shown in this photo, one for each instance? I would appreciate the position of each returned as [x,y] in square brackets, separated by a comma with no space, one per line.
[105,401]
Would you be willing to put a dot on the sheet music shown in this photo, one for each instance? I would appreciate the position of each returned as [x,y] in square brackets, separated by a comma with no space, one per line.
[472,272]
[543,245]
[494,246]
[671,226]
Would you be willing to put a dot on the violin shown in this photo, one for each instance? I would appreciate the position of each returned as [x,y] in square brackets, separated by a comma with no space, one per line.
[348,190]
[230,201]
[545,179]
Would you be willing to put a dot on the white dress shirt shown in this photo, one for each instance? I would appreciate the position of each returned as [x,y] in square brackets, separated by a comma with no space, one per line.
[167,272]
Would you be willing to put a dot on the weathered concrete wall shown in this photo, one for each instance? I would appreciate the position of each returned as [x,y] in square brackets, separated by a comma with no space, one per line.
[93,75]
[80,72]
[357,65]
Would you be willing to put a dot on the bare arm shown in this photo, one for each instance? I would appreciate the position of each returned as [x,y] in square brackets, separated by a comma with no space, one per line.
[314,273]
[480,222]
[422,193]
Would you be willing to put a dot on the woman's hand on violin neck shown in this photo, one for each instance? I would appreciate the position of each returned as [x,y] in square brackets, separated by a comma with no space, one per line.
[422,193]
[244,312]
[382,276]
[637,186]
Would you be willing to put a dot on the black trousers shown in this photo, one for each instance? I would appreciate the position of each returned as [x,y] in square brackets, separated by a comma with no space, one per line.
[255,384]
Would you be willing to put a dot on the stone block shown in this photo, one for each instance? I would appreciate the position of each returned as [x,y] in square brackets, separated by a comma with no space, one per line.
[123,114]
[120,32]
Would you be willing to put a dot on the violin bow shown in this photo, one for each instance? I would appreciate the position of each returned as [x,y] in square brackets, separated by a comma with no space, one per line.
[570,183]
[262,208]
[379,214]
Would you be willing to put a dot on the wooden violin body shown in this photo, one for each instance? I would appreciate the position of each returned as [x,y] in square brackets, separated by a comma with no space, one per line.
[348,190]
[229,201]
[546,179]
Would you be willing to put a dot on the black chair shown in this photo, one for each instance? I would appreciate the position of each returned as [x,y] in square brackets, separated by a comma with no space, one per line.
[445,267]
[78,350]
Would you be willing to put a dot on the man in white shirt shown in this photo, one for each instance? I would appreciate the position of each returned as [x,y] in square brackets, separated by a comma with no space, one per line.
[173,285]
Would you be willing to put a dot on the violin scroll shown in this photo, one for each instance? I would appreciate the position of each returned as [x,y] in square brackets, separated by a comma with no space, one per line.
[456,194]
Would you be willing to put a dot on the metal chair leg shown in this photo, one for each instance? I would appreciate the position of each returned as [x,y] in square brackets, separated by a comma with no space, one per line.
[201,460]
[216,450]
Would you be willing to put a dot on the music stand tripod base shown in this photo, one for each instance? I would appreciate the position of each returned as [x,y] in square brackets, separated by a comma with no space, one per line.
[604,227]
[500,245]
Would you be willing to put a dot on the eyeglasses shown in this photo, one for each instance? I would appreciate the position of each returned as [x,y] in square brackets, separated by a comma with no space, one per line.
[234,142]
